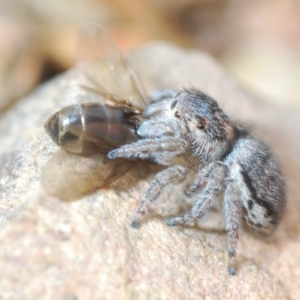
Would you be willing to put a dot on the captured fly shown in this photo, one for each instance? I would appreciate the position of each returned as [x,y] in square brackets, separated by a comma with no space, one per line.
[107,110]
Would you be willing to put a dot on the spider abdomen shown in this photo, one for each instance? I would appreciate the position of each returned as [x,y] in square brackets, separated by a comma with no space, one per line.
[256,172]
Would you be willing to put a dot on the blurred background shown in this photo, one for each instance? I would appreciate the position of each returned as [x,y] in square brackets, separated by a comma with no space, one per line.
[258,41]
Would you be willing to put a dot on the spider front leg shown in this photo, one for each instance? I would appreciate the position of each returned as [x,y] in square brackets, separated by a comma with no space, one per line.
[157,149]
[167,176]
[213,175]
[200,178]
[160,150]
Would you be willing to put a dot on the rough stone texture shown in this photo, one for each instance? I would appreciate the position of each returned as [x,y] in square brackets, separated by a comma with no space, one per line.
[86,249]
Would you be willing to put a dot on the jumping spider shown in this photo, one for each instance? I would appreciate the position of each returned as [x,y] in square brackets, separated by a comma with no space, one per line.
[210,155]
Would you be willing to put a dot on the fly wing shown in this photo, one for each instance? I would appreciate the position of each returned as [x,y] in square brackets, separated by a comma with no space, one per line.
[104,71]
[70,177]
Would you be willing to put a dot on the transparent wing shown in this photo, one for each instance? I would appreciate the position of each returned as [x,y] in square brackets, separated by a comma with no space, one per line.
[103,70]
[70,177]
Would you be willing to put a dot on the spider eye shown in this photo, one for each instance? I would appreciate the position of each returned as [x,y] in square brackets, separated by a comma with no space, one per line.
[177,115]
[202,125]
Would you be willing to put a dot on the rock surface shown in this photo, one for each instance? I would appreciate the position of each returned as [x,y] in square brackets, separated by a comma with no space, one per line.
[86,249]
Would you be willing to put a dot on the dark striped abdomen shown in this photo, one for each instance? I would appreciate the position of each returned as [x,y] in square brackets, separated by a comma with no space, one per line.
[91,128]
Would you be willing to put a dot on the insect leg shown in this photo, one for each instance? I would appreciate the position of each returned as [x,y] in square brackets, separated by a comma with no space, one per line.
[167,176]
[205,199]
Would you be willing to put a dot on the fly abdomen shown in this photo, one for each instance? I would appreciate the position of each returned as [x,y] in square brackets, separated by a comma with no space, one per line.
[91,128]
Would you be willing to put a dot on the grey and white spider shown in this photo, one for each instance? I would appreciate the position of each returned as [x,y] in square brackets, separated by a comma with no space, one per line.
[210,156]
